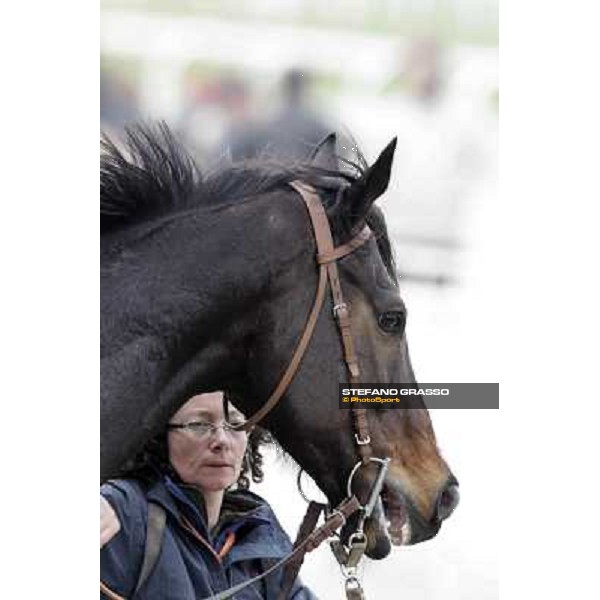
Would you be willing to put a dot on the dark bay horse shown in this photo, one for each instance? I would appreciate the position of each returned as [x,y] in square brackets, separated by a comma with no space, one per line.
[207,281]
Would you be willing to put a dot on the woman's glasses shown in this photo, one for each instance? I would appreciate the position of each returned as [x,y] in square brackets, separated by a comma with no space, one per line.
[205,429]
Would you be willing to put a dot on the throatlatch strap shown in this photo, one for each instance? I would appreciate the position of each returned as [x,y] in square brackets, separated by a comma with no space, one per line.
[327,254]
[296,358]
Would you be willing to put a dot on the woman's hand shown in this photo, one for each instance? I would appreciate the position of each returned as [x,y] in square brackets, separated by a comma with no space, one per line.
[109,522]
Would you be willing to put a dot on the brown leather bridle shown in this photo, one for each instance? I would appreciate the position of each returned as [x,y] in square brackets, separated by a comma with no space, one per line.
[327,257]
[309,537]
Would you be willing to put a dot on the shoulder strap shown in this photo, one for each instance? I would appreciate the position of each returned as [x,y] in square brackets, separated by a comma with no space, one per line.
[154,535]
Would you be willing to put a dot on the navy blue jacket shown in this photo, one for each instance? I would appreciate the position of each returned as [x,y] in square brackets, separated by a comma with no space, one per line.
[188,566]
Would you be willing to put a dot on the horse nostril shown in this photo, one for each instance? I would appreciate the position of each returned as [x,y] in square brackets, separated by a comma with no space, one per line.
[447,502]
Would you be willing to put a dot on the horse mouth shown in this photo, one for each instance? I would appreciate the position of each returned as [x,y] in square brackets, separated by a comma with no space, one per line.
[396,523]
[388,525]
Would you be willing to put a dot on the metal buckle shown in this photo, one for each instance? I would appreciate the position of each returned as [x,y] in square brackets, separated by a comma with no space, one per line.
[354,590]
[356,550]
[357,535]
[338,512]
[364,442]
[338,307]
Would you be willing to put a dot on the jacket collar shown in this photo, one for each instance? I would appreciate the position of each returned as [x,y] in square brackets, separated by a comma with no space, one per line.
[241,508]
[244,512]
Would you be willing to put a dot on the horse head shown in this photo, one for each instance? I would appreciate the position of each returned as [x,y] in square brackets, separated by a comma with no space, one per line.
[420,490]
[207,284]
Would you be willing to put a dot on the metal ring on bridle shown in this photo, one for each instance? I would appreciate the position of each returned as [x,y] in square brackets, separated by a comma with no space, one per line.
[357,466]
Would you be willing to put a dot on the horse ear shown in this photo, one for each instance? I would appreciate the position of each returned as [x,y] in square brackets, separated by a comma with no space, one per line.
[359,197]
[324,154]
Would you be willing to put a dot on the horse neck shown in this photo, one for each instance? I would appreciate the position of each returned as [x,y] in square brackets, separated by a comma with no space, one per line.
[231,259]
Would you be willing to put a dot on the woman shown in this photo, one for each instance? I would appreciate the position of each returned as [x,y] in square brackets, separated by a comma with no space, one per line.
[213,538]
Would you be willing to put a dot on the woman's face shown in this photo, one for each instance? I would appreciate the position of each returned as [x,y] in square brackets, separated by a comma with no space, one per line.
[209,460]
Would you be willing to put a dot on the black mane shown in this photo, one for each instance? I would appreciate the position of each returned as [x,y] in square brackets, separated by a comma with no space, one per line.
[154,175]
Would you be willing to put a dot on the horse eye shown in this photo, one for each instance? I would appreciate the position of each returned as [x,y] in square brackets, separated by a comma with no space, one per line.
[392,321]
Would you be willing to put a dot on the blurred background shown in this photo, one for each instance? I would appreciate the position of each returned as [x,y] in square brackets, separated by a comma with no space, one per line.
[253,77]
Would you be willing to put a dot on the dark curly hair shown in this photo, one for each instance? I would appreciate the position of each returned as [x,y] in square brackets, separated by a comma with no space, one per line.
[152,462]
